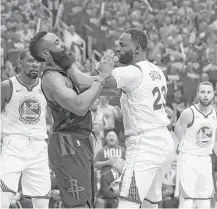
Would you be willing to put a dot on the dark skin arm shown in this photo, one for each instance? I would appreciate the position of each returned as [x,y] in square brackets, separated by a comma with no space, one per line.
[84,81]
[101,164]
[5,93]
[54,85]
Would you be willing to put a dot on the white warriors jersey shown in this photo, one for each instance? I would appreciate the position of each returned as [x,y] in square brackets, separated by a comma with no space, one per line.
[143,97]
[25,113]
[199,137]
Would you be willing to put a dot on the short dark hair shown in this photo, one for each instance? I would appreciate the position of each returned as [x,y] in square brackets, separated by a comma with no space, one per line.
[23,53]
[34,43]
[207,83]
[138,36]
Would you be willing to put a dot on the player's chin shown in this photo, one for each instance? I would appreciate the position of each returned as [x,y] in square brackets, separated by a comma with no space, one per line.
[206,102]
[34,75]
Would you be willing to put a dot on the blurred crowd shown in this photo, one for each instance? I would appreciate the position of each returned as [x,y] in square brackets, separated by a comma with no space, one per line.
[182,42]
[18,24]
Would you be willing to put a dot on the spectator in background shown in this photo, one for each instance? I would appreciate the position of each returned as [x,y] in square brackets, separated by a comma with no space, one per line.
[204,77]
[105,156]
[109,160]
[107,197]
[53,6]
[98,123]
[110,113]
[73,42]
[25,34]
[168,188]
[158,62]
[211,68]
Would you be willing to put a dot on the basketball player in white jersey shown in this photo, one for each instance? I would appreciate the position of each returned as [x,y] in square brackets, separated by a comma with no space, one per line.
[149,144]
[24,150]
[196,128]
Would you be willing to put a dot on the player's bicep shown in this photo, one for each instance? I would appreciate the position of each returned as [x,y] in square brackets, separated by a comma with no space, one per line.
[127,78]
[183,122]
[111,83]
[54,84]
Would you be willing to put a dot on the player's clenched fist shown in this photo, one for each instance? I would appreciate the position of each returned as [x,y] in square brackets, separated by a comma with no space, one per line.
[106,65]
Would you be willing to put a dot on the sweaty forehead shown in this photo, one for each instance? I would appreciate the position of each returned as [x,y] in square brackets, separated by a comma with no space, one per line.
[206,88]
[125,38]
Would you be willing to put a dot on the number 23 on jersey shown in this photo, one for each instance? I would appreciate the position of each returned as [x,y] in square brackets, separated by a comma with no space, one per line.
[159,95]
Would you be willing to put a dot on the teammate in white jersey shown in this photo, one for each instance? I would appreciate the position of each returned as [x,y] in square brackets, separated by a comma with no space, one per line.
[150,146]
[24,149]
[196,128]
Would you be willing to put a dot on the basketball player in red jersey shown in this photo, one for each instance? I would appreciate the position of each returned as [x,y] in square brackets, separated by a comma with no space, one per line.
[70,149]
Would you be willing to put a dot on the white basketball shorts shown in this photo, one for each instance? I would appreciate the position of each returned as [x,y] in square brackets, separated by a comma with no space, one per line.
[148,158]
[29,157]
[194,178]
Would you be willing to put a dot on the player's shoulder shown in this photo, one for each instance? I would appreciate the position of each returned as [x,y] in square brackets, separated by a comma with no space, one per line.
[6,85]
[127,69]
[52,78]
[188,111]
[187,114]
[7,89]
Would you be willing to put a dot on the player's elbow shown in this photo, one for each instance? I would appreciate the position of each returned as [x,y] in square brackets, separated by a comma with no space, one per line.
[82,107]
[81,110]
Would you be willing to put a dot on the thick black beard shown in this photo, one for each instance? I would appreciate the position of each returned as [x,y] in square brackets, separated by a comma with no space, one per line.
[126,58]
[62,59]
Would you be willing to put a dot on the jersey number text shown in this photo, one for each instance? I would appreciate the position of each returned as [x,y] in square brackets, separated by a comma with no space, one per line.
[160,95]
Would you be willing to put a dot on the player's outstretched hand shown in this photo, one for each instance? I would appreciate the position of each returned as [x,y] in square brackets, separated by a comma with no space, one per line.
[106,65]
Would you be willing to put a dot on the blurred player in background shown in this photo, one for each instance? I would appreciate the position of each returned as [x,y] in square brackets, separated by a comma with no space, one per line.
[196,128]
[70,148]
[24,131]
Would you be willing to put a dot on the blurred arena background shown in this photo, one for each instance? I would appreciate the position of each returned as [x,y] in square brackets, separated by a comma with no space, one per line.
[182,42]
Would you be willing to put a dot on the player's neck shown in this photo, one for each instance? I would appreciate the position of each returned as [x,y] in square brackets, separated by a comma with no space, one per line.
[139,58]
[204,109]
[26,80]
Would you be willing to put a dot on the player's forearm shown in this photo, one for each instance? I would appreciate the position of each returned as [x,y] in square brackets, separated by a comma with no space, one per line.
[178,132]
[101,164]
[83,80]
[87,98]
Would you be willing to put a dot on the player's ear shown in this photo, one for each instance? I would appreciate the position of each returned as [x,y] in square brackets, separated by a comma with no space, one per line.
[21,62]
[137,49]
[45,54]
